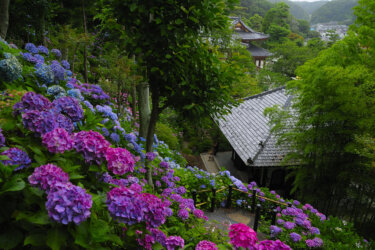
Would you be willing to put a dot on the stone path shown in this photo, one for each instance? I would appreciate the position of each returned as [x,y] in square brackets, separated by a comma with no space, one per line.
[223,218]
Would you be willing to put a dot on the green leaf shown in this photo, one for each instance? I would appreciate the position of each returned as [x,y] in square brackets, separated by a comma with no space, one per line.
[15,184]
[133,6]
[40,218]
[81,235]
[10,239]
[36,150]
[99,230]
[76,176]
[37,239]
[56,238]
[178,21]
[168,56]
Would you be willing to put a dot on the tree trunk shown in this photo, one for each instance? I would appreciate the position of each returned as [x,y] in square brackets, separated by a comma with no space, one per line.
[144,108]
[150,134]
[85,74]
[133,94]
[4,17]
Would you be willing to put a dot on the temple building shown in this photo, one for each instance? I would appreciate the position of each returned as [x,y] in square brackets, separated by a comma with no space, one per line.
[252,40]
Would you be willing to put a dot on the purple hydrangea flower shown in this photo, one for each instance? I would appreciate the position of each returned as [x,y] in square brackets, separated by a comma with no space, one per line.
[280,221]
[58,71]
[57,141]
[56,52]
[16,157]
[30,58]
[46,176]
[295,237]
[39,58]
[69,106]
[206,245]
[150,156]
[289,225]
[65,64]
[314,230]
[183,214]
[198,213]
[316,242]
[275,230]
[164,164]
[115,138]
[159,236]
[2,138]
[174,241]
[43,50]
[68,203]
[92,144]
[120,160]
[31,101]
[31,48]
[272,245]
[39,122]
[181,190]
[65,123]
[89,105]
[94,91]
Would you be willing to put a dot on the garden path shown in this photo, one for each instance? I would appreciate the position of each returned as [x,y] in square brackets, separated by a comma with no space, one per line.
[224,217]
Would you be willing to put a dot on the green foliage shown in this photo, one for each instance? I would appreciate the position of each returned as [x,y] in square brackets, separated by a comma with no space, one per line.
[338,11]
[166,134]
[255,22]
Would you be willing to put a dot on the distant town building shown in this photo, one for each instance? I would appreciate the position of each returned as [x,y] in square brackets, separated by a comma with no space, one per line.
[252,40]
[324,28]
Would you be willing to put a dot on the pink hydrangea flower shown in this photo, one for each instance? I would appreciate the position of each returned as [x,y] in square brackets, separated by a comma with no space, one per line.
[57,141]
[206,245]
[242,236]
[46,176]
[120,160]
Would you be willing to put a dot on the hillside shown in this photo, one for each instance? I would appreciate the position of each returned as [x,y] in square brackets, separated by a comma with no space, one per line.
[335,11]
[310,7]
[297,11]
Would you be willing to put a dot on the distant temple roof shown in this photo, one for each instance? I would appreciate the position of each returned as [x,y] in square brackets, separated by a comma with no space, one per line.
[258,51]
[249,133]
[245,33]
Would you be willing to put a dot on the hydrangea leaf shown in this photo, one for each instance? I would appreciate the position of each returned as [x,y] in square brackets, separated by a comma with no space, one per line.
[10,239]
[37,239]
[15,184]
[56,238]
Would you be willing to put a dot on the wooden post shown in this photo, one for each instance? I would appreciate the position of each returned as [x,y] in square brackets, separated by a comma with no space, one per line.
[213,201]
[195,196]
[229,198]
[274,212]
[257,217]
[253,201]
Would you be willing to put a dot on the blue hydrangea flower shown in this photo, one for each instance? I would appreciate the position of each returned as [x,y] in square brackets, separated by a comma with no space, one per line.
[56,91]
[56,52]
[16,157]
[65,64]
[44,73]
[89,105]
[31,48]
[75,93]
[10,68]
[58,71]
[43,50]
[115,138]
[39,58]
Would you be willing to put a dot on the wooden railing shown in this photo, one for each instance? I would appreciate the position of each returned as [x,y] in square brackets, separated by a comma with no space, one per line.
[255,208]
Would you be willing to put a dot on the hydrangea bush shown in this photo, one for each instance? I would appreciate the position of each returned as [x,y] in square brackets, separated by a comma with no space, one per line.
[72,176]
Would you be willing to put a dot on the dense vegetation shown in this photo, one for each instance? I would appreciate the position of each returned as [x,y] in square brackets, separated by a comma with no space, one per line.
[335,11]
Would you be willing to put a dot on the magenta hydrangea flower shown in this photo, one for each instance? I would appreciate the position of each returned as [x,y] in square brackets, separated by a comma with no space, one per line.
[242,236]
[31,101]
[174,241]
[2,138]
[57,141]
[68,203]
[183,214]
[316,242]
[92,144]
[272,245]
[46,176]
[156,210]
[198,213]
[68,106]
[206,245]
[16,157]
[120,160]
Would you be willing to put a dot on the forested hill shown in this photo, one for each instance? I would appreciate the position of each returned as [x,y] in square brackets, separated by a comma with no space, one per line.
[335,11]
[310,7]
[296,10]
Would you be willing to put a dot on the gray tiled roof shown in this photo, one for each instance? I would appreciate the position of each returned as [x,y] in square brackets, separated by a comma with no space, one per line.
[246,127]
[247,35]
[258,52]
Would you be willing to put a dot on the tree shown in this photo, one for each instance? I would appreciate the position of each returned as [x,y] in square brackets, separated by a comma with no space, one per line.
[184,70]
[275,23]
[335,104]
[4,17]
[255,22]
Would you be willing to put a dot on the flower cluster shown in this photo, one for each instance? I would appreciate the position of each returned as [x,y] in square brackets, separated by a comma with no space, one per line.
[174,241]
[242,236]
[39,122]
[44,73]
[42,49]
[106,111]
[31,48]
[120,160]
[272,245]
[92,90]
[131,207]
[314,243]
[56,52]
[57,141]
[75,93]
[65,64]
[56,91]
[206,245]
[46,176]
[69,107]
[92,144]
[33,59]
[31,101]
[68,203]
[10,68]
[58,71]
[16,157]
